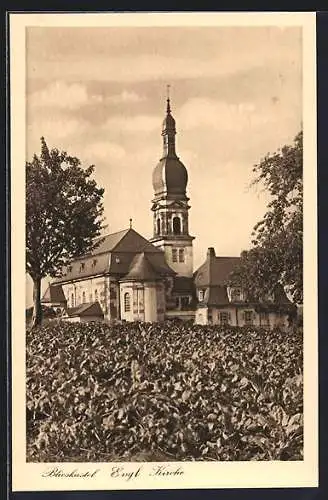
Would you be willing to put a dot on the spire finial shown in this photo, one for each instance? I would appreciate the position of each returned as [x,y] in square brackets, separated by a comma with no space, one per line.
[168,107]
[130,223]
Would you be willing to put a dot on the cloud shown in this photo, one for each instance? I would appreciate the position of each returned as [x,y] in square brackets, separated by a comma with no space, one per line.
[59,131]
[125,97]
[136,55]
[60,94]
[104,151]
[214,114]
[132,124]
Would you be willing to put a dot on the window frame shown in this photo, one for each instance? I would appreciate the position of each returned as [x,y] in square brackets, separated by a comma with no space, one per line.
[227,317]
[127,302]
[249,322]
[175,255]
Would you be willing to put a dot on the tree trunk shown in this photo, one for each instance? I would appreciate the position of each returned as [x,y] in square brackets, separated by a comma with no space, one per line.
[37,310]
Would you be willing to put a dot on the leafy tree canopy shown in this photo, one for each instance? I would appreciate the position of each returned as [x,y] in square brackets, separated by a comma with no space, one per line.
[63,214]
[276,256]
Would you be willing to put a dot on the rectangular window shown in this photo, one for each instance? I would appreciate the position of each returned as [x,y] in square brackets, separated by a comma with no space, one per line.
[201,295]
[235,295]
[248,315]
[184,302]
[181,255]
[82,267]
[127,305]
[224,318]
[174,255]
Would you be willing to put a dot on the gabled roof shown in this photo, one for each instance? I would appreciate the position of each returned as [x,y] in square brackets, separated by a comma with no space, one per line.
[142,269]
[54,293]
[87,309]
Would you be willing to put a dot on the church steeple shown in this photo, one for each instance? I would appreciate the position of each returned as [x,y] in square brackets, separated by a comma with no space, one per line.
[169,131]
[170,204]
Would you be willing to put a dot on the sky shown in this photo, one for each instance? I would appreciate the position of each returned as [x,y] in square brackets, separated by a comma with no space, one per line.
[236,95]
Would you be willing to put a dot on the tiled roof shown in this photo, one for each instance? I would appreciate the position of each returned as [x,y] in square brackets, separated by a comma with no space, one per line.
[215,271]
[148,266]
[217,296]
[141,269]
[87,309]
[113,255]
[183,284]
[54,293]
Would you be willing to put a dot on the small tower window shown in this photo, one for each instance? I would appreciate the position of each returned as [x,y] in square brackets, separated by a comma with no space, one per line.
[174,255]
[176,225]
[96,295]
[181,255]
[127,305]
[158,225]
[72,300]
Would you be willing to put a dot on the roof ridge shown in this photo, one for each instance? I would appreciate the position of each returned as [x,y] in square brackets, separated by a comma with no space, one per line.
[125,231]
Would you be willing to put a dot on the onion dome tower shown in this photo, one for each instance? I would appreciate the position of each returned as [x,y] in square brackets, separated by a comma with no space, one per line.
[170,204]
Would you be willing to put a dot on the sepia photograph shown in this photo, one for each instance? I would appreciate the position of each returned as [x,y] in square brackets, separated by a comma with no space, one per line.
[164,245]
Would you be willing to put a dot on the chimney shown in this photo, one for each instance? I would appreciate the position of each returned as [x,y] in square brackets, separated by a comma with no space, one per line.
[210,252]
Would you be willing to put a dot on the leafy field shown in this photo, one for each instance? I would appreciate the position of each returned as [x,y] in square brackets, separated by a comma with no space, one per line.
[163,392]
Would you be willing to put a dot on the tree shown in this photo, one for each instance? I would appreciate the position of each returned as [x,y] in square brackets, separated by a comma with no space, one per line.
[63,215]
[276,256]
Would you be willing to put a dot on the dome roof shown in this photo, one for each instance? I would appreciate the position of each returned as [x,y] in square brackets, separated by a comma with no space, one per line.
[170,176]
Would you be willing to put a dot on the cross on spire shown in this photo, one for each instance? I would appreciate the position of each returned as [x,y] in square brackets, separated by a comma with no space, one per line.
[130,223]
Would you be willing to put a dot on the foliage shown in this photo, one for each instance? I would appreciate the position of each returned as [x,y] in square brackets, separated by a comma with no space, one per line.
[63,214]
[166,392]
[277,252]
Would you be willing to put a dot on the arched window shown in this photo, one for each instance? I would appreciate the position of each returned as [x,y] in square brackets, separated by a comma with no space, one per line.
[126,302]
[176,225]
[83,297]
[72,300]
[158,225]
[96,295]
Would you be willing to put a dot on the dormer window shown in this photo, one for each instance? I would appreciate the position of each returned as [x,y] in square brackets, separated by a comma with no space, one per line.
[235,295]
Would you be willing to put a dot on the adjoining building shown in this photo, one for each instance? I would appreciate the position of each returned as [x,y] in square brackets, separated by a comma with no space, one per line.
[219,303]
[129,278]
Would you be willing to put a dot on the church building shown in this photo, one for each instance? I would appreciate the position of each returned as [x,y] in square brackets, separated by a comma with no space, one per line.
[130,278]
